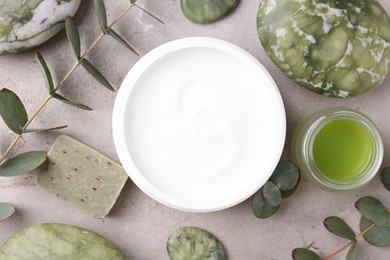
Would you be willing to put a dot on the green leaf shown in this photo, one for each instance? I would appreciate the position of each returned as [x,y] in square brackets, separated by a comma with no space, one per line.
[73,35]
[101,14]
[12,111]
[288,193]
[44,130]
[377,235]
[46,73]
[386,177]
[286,175]
[96,74]
[372,209]
[272,194]
[261,207]
[338,227]
[351,255]
[119,39]
[22,163]
[67,101]
[6,211]
[304,254]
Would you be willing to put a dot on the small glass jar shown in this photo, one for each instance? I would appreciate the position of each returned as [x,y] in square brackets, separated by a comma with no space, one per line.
[303,141]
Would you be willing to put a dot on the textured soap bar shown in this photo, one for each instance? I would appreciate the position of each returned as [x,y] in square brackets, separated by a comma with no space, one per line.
[82,176]
[58,241]
[28,23]
[335,48]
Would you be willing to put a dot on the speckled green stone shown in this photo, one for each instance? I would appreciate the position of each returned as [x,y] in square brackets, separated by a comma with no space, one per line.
[207,11]
[194,243]
[335,48]
[25,24]
[58,241]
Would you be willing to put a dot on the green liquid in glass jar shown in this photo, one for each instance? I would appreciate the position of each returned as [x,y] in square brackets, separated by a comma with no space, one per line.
[342,149]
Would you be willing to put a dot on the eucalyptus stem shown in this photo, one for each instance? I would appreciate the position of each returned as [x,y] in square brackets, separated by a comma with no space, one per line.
[350,243]
[61,83]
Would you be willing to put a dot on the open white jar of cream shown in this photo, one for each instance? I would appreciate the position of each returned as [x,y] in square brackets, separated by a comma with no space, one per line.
[199,124]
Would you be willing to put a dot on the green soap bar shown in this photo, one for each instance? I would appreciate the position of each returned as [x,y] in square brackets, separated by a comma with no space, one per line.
[58,241]
[207,11]
[82,176]
[335,48]
[25,24]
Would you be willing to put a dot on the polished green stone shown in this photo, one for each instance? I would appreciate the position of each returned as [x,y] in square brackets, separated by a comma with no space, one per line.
[207,11]
[25,24]
[58,241]
[335,48]
[82,176]
[194,243]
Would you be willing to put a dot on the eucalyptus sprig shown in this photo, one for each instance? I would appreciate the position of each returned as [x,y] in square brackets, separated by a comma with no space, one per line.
[282,184]
[14,113]
[374,226]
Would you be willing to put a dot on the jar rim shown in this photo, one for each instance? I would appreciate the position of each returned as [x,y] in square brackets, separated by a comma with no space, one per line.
[311,127]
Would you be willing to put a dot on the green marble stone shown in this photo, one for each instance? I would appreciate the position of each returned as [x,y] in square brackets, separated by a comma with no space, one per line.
[25,24]
[335,48]
[58,241]
[207,11]
[82,176]
[194,243]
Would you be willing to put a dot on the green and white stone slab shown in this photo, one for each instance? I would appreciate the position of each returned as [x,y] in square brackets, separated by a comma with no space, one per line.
[82,176]
[335,48]
[207,11]
[58,241]
[25,24]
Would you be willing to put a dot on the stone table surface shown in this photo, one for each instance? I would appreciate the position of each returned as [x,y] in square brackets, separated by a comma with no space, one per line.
[137,224]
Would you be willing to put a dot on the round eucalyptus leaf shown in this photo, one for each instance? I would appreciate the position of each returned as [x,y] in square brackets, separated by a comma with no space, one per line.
[373,210]
[377,235]
[335,48]
[351,255]
[194,243]
[272,194]
[261,207]
[6,210]
[288,193]
[338,227]
[386,177]
[207,11]
[304,254]
[59,241]
[286,175]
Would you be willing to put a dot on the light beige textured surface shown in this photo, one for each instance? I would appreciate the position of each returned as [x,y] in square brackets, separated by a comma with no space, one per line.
[137,224]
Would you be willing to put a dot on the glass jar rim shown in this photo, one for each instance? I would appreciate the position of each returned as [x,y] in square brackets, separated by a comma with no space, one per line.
[316,122]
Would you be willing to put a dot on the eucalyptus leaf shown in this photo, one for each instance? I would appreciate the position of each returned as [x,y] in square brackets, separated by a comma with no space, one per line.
[12,111]
[119,39]
[386,177]
[338,227]
[6,210]
[377,235]
[44,130]
[373,210]
[96,74]
[101,14]
[22,163]
[288,193]
[261,207]
[351,255]
[272,194]
[286,175]
[304,254]
[46,72]
[73,36]
[67,101]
